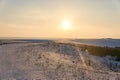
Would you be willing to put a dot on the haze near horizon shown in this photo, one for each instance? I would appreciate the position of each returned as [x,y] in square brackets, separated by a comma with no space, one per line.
[60,18]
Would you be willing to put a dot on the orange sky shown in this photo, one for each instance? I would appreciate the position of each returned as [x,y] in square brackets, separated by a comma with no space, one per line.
[45,18]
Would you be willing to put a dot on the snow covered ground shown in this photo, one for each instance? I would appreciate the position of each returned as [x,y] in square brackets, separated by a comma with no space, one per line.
[54,61]
[99,42]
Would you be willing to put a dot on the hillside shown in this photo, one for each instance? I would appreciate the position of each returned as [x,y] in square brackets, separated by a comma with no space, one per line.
[54,61]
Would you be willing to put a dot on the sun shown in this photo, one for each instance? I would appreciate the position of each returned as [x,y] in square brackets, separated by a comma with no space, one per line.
[66,24]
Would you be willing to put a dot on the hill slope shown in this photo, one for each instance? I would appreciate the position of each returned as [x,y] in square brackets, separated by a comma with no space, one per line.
[52,61]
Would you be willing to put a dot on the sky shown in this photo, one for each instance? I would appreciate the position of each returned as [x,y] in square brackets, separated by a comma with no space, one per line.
[44,18]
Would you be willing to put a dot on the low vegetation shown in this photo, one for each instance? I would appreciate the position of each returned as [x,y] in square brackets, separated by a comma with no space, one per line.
[99,51]
[102,51]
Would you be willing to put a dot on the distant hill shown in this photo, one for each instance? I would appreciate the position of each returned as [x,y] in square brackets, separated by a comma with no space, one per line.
[100,42]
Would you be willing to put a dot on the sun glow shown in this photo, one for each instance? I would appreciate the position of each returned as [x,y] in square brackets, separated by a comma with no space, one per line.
[66,24]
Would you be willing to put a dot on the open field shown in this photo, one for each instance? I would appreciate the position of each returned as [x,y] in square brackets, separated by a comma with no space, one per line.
[54,60]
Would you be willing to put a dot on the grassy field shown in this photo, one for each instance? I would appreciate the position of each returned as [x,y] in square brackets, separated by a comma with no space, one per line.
[99,51]
[94,50]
